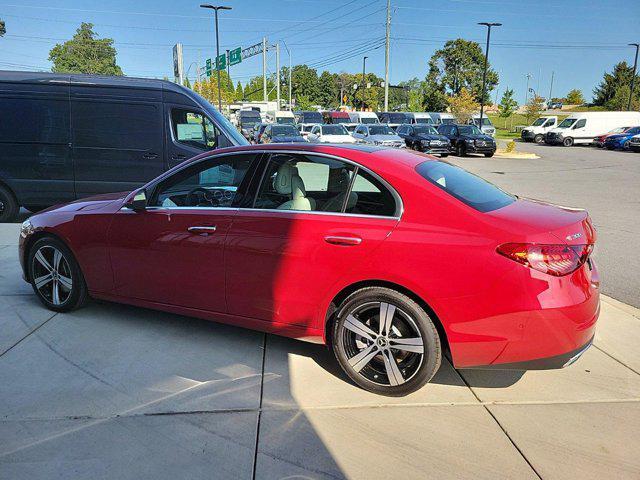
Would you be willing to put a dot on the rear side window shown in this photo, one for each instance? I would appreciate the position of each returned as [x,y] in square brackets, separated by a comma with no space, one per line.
[466,187]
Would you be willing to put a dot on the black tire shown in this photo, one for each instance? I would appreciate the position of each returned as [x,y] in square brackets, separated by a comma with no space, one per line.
[567,142]
[444,155]
[488,155]
[67,268]
[9,207]
[376,373]
[538,138]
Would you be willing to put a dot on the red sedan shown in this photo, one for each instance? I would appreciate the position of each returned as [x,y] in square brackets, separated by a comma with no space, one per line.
[389,257]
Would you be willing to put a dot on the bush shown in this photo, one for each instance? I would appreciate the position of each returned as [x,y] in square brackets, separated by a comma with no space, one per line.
[511,146]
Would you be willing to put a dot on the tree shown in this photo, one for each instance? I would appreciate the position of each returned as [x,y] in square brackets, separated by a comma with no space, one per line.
[187,83]
[329,95]
[459,64]
[574,97]
[463,105]
[611,83]
[85,53]
[508,104]
[239,91]
[620,100]
[534,107]
[208,88]
[3,28]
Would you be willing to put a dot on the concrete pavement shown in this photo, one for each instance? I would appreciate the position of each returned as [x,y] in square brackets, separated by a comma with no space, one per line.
[111,391]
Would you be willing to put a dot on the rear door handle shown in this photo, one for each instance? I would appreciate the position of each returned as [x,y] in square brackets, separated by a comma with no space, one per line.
[340,240]
[202,229]
[177,156]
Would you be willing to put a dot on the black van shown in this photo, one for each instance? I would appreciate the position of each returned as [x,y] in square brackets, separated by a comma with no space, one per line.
[64,137]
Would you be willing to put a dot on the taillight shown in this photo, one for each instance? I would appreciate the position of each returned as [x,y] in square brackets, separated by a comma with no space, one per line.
[556,260]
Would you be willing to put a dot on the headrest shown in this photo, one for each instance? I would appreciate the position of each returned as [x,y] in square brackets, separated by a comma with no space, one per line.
[288,182]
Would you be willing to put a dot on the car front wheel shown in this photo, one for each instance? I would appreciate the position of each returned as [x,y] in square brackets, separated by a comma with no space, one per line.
[55,275]
[385,342]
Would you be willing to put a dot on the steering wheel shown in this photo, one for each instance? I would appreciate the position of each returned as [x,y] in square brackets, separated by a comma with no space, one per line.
[202,194]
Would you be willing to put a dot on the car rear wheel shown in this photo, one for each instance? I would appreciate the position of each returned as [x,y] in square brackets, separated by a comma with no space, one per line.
[567,142]
[8,205]
[538,138]
[55,275]
[444,155]
[385,342]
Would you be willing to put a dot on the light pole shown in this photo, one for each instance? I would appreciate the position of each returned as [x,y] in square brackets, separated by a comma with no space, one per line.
[364,64]
[289,52]
[633,77]
[214,8]
[486,60]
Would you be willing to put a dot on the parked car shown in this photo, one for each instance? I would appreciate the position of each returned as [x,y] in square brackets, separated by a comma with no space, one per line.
[393,119]
[582,128]
[330,133]
[599,140]
[258,130]
[67,136]
[305,129]
[440,118]
[554,105]
[247,120]
[281,117]
[467,139]
[363,117]
[275,133]
[620,140]
[335,117]
[308,117]
[425,138]
[487,127]
[634,143]
[410,255]
[536,131]
[378,135]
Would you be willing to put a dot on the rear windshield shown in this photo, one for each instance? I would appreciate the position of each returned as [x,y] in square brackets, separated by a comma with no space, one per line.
[466,187]
[284,130]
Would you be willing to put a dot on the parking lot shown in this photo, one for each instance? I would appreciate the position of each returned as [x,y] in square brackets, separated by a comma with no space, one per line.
[112,391]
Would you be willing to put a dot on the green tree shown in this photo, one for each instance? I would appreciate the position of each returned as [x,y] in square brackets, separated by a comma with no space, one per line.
[329,95]
[508,104]
[534,107]
[3,28]
[239,91]
[208,88]
[459,64]
[463,105]
[620,100]
[85,53]
[575,97]
[612,82]
[187,83]
[304,82]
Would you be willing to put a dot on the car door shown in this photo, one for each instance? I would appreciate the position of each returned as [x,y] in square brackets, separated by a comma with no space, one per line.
[173,251]
[303,232]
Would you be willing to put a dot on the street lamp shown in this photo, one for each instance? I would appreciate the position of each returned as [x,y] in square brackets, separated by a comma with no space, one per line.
[206,5]
[633,77]
[364,63]
[486,59]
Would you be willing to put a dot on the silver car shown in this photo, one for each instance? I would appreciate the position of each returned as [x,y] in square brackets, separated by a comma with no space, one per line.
[381,135]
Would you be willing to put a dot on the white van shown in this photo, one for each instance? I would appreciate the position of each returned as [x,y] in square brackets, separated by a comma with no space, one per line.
[363,117]
[419,117]
[583,127]
[487,127]
[443,118]
[536,131]
[283,117]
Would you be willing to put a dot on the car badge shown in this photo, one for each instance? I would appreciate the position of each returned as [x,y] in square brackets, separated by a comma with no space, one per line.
[574,236]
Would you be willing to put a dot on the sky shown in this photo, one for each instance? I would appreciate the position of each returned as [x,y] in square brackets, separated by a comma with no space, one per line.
[578,40]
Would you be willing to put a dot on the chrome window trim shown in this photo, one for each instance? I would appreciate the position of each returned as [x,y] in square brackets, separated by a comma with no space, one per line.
[260,152]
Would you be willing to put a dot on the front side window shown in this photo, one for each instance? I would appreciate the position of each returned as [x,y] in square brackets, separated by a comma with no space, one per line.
[193,129]
[469,130]
[466,187]
[538,122]
[210,183]
[567,122]
[425,130]
[580,123]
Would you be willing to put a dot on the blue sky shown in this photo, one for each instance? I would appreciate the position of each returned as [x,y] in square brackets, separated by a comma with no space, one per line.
[577,39]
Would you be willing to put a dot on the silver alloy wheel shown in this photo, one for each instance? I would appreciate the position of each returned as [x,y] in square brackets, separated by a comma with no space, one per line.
[52,275]
[383,343]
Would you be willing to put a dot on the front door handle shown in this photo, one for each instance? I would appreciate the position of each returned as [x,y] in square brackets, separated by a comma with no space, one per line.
[202,229]
[150,156]
[177,156]
[345,241]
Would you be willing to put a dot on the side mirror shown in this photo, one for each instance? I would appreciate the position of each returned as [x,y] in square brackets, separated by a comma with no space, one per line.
[139,201]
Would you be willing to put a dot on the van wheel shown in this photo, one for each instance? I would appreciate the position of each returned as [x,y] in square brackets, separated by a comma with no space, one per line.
[538,138]
[8,205]
[385,342]
[567,142]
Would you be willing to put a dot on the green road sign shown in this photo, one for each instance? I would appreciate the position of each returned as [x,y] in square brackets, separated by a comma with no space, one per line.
[221,62]
[208,67]
[235,56]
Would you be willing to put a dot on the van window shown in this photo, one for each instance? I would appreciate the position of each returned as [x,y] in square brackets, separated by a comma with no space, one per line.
[124,126]
[368,120]
[31,120]
[580,123]
[566,123]
[193,129]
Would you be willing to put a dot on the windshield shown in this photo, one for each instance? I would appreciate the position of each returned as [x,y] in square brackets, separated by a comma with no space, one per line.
[539,122]
[397,118]
[424,120]
[311,117]
[380,130]
[334,130]
[426,130]
[466,187]
[567,122]
[368,120]
[285,120]
[469,130]
[229,131]
[284,131]
[447,121]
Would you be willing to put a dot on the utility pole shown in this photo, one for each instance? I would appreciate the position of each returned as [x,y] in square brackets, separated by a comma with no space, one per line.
[386,58]
[551,86]
[364,64]
[526,95]
[229,69]
[289,52]
[215,9]
[278,73]
[264,68]
[486,61]
[633,77]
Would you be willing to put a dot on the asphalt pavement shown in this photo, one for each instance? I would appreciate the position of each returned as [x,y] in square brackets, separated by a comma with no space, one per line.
[606,183]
